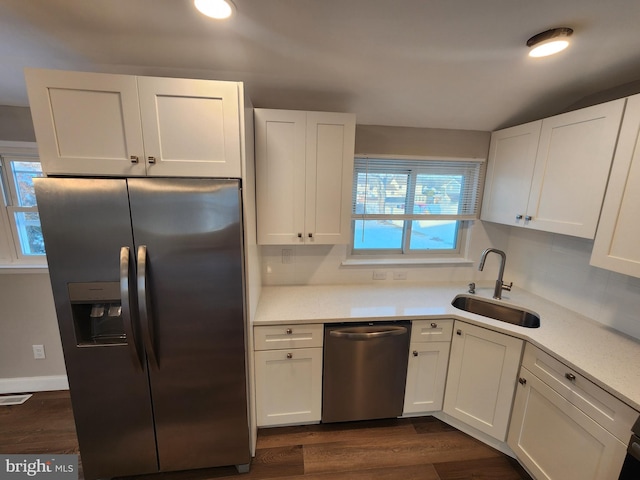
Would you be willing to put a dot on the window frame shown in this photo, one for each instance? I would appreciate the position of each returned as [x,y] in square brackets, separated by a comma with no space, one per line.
[404,255]
[11,255]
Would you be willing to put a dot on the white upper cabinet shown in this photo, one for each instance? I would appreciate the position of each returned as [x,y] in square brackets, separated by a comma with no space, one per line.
[304,169]
[104,124]
[512,156]
[566,182]
[616,244]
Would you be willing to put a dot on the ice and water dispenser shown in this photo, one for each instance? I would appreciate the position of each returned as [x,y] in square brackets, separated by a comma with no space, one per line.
[97,313]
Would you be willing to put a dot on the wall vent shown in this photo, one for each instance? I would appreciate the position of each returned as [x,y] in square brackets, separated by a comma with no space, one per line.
[14,399]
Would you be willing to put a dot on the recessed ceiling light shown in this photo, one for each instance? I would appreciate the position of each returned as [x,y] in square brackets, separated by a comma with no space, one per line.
[549,42]
[219,9]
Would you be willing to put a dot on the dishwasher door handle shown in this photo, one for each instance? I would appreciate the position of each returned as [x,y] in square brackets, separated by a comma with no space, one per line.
[367,333]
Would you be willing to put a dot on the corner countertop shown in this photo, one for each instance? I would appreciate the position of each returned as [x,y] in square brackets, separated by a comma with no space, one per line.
[605,356]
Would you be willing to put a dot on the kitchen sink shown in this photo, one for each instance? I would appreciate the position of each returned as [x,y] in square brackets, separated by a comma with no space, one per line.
[497,311]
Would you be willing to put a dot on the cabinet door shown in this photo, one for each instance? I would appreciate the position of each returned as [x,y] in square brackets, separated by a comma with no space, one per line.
[288,386]
[483,367]
[426,377]
[86,123]
[280,175]
[190,127]
[556,441]
[616,244]
[330,143]
[572,168]
[512,155]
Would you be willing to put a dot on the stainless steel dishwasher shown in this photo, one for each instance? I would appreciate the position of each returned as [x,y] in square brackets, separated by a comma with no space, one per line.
[365,370]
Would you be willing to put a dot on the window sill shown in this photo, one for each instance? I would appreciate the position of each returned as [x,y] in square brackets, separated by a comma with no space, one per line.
[383,262]
[24,268]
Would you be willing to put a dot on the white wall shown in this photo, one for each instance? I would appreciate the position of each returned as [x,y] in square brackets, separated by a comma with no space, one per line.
[27,312]
[16,125]
[28,318]
[557,268]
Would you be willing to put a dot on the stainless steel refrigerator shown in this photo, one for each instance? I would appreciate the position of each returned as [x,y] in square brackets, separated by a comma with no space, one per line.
[147,277]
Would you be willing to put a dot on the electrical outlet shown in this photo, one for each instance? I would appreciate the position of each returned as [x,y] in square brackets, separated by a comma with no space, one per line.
[287,255]
[399,275]
[379,275]
[38,352]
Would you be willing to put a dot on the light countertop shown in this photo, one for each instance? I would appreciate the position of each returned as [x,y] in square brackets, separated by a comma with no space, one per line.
[605,356]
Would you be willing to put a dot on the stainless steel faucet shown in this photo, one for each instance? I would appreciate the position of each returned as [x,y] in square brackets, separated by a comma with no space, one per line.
[500,285]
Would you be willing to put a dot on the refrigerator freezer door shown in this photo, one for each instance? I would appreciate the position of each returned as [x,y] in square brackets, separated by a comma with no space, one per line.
[195,322]
[85,223]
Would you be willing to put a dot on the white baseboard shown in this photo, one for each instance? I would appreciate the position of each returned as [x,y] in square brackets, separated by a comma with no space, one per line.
[33,384]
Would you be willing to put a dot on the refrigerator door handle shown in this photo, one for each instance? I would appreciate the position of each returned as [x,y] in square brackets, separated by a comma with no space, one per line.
[126,278]
[143,307]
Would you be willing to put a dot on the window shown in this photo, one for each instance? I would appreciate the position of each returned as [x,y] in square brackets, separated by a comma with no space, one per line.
[20,209]
[413,206]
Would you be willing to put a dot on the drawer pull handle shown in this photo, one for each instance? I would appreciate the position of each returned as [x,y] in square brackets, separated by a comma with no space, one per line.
[522,381]
[415,353]
[434,325]
[289,355]
[289,331]
[570,376]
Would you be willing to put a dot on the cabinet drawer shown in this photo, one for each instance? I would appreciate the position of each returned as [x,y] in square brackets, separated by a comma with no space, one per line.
[431,330]
[288,336]
[611,413]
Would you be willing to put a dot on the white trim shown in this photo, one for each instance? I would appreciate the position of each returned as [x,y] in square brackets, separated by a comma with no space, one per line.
[420,157]
[18,148]
[356,261]
[6,268]
[34,384]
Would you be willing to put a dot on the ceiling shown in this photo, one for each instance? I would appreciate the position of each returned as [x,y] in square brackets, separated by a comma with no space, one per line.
[421,63]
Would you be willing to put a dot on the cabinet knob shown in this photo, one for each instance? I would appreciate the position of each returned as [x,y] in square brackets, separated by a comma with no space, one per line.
[289,331]
[151,160]
[518,217]
[458,332]
[289,355]
[299,235]
[522,381]
[310,235]
[570,376]
[434,325]
[134,158]
[528,218]
[415,353]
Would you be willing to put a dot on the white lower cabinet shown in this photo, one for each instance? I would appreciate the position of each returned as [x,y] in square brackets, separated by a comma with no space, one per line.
[483,368]
[427,368]
[555,440]
[289,379]
[563,426]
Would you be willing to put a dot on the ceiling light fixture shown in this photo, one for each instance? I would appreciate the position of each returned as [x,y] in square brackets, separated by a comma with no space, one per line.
[218,9]
[549,42]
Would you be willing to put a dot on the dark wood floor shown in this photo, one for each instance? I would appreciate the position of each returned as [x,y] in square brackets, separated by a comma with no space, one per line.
[405,449]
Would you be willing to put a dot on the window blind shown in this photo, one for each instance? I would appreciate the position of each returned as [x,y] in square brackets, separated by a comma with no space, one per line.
[417,189]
